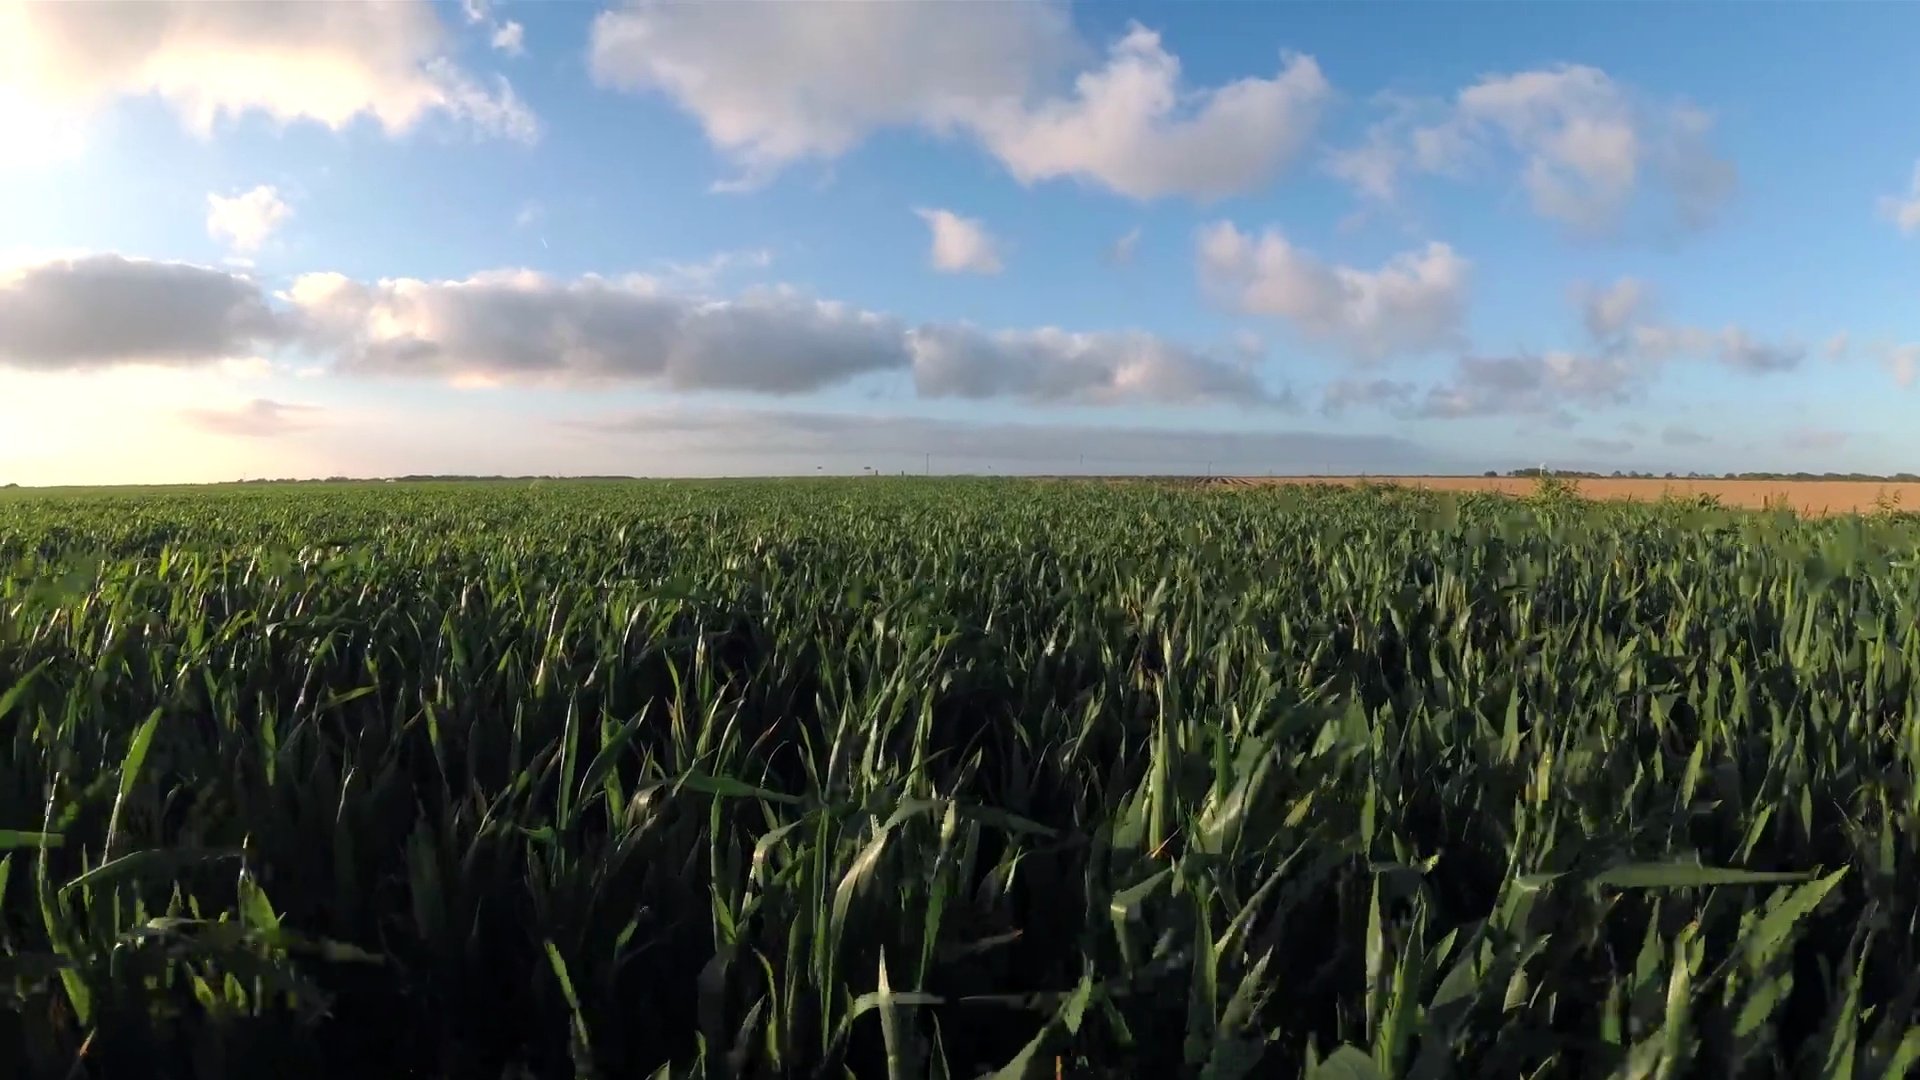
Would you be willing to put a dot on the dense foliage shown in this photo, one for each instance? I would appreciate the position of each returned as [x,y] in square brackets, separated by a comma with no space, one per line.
[935,778]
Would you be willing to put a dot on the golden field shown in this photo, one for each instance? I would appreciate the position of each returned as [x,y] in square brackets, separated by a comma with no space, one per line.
[1806,497]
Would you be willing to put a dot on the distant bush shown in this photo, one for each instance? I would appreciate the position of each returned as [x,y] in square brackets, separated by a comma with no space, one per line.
[1555,488]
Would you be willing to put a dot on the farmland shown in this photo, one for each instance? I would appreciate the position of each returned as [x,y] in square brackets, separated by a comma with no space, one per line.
[915,778]
[1800,496]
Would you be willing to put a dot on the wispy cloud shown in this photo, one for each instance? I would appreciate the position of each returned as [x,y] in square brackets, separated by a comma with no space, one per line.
[257,419]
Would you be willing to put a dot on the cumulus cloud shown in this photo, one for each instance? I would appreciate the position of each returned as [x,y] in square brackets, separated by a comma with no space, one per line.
[330,64]
[101,310]
[245,220]
[1585,144]
[843,442]
[1415,303]
[1582,144]
[1131,127]
[1904,210]
[779,83]
[775,84]
[961,245]
[259,418]
[521,326]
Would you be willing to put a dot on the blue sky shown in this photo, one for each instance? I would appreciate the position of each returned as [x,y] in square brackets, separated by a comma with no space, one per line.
[252,239]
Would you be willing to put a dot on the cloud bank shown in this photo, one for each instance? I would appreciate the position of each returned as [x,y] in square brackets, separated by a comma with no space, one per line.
[772,85]
[843,441]
[524,327]
[1414,303]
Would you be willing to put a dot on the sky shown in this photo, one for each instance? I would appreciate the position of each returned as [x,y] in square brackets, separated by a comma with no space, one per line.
[245,240]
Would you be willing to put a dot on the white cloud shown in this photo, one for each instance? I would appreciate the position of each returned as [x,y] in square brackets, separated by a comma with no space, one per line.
[504,35]
[1132,128]
[1575,130]
[330,64]
[1904,210]
[1414,303]
[1122,250]
[245,220]
[510,38]
[776,84]
[1582,143]
[960,244]
[103,310]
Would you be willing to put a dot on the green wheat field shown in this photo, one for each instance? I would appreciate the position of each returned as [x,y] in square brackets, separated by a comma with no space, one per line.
[916,778]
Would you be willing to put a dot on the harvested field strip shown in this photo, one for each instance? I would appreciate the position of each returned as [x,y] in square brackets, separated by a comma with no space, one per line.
[1807,497]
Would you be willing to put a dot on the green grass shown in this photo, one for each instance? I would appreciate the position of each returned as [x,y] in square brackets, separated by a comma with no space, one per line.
[907,778]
